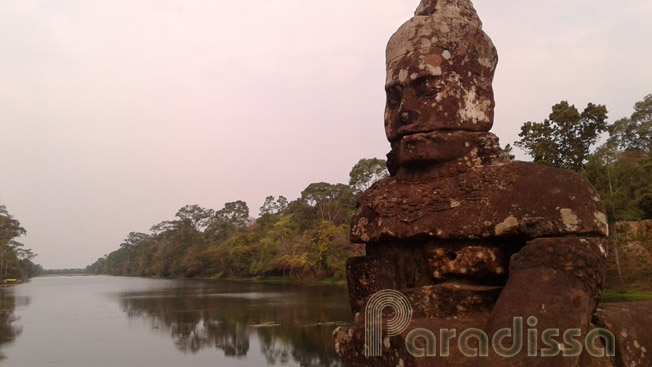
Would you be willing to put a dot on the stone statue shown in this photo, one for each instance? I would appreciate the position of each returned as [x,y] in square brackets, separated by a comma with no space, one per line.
[470,239]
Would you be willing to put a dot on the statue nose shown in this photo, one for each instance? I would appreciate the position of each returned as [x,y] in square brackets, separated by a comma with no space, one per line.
[409,106]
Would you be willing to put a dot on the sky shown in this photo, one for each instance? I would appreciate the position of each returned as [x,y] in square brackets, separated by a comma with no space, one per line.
[116,113]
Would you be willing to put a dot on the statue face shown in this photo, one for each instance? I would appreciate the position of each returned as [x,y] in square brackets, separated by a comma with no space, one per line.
[432,92]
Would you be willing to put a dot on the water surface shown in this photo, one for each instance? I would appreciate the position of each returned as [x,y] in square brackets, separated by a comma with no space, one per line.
[119,321]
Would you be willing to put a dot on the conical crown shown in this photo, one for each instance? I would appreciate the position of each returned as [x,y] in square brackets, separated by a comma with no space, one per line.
[451,25]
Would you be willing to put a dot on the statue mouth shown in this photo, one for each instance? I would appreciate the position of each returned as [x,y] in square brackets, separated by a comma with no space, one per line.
[440,136]
[432,133]
[436,146]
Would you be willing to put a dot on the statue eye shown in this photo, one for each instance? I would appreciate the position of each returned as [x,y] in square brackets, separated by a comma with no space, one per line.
[393,98]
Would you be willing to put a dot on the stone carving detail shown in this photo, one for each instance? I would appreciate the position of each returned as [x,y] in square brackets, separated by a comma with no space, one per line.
[469,238]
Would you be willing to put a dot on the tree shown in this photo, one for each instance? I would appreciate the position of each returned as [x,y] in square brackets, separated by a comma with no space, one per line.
[15,260]
[128,246]
[10,228]
[331,202]
[621,169]
[333,247]
[366,172]
[133,239]
[233,217]
[198,217]
[235,213]
[273,206]
[622,179]
[635,132]
[564,139]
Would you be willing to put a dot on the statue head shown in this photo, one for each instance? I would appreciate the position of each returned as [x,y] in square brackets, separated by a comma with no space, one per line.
[440,66]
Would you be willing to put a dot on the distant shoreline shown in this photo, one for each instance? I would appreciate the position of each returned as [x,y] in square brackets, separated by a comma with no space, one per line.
[268,280]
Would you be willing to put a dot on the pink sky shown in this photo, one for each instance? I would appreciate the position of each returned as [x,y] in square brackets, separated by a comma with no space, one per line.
[114,114]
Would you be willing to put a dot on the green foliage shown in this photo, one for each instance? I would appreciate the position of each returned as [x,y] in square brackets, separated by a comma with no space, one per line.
[9,227]
[195,216]
[330,202]
[635,132]
[273,206]
[621,169]
[366,172]
[621,180]
[15,260]
[272,209]
[228,220]
[565,138]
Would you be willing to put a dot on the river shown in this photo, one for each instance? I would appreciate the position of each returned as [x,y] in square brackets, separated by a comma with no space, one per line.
[94,321]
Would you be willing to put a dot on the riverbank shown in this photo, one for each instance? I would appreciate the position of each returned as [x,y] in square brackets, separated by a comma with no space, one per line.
[290,281]
[10,282]
[614,295]
[276,280]
[268,280]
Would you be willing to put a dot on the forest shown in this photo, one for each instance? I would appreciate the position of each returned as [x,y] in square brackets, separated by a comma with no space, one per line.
[306,239]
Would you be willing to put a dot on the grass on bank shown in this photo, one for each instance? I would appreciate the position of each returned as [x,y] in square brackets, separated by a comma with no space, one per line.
[615,295]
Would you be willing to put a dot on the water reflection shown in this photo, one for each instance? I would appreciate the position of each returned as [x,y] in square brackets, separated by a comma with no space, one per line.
[290,324]
[8,329]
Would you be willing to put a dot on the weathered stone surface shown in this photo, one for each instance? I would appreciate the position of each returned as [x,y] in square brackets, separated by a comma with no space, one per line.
[451,300]
[508,199]
[631,323]
[479,263]
[558,282]
[349,344]
[465,147]
[403,267]
[580,261]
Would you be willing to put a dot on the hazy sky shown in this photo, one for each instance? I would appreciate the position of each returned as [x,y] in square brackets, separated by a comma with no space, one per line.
[116,113]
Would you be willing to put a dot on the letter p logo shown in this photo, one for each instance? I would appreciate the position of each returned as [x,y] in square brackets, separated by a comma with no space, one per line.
[373,327]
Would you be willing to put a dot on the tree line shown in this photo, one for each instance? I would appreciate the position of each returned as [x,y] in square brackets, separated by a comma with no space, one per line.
[307,238]
[15,259]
